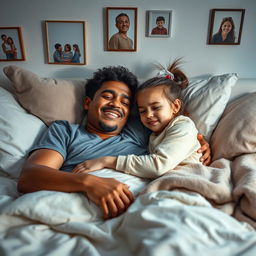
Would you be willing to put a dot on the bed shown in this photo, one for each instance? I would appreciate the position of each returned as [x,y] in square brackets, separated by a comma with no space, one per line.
[193,210]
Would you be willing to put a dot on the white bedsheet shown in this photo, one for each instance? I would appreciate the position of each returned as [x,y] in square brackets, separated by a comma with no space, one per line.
[158,223]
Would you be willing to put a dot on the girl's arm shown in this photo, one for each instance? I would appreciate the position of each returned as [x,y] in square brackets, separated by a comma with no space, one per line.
[169,149]
[96,164]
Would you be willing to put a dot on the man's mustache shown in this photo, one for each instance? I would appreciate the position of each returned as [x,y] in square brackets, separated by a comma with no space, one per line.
[121,113]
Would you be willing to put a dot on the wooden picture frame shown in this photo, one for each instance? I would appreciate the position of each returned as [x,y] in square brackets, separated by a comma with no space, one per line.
[159,23]
[121,29]
[65,42]
[12,47]
[226,26]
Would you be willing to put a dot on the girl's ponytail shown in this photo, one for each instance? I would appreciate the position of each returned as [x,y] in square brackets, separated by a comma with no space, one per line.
[179,77]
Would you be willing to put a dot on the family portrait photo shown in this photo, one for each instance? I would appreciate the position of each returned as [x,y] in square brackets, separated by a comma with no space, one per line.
[159,23]
[226,26]
[12,48]
[121,29]
[65,41]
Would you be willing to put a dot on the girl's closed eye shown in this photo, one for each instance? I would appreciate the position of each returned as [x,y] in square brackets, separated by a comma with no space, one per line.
[156,108]
[142,111]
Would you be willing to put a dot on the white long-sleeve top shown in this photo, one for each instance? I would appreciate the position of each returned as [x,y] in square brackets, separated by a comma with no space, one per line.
[175,145]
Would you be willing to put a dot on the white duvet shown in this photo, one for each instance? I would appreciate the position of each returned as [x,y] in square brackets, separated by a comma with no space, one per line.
[176,222]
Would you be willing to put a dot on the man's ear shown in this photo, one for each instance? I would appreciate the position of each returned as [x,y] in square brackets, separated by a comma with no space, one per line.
[87,102]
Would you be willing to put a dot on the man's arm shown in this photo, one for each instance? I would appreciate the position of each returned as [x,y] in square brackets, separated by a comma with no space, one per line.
[41,172]
[4,48]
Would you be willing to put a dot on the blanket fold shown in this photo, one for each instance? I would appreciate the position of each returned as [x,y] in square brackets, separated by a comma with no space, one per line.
[212,182]
[244,179]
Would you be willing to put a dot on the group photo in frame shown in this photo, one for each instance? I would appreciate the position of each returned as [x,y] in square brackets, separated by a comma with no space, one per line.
[226,26]
[65,42]
[12,47]
[121,29]
[159,23]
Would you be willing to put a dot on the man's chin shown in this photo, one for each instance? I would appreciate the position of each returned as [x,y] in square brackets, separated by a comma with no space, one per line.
[107,128]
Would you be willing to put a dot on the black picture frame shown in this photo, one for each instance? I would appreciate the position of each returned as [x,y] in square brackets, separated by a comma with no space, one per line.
[226,19]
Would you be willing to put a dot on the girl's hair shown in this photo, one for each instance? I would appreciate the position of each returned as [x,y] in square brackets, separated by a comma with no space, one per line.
[10,39]
[67,46]
[231,34]
[76,47]
[173,85]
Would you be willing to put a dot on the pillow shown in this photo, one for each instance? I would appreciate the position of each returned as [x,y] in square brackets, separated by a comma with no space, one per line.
[18,132]
[206,99]
[48,99]
[235,133]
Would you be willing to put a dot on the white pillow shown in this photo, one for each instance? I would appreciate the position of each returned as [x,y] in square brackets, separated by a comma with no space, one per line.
[206,99]
[18,132]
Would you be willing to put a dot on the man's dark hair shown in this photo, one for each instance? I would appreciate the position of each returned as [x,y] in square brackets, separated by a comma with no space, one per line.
[120,15]
[119,73]
[160,18]
[3,35]
[57,46]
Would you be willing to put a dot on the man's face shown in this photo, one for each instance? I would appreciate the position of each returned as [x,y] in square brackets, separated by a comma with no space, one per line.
[108,111]
[4,38]
[123,24]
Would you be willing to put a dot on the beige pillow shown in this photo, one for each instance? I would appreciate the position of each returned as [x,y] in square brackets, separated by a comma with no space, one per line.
[48,99]
[235,133]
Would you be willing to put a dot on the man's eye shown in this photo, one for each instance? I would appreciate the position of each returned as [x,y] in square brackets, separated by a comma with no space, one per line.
[126,103]
[107,96]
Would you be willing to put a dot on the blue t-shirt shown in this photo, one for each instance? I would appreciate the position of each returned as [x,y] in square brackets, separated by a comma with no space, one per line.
[76,145]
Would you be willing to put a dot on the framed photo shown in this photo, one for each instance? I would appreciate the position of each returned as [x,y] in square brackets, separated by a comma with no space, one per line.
[226,26]
[12,48]
[65,42]
[121,29]
[159,23]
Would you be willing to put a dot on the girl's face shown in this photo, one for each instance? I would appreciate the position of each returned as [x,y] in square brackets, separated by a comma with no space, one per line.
[226,27]
[9,41]
[156,111]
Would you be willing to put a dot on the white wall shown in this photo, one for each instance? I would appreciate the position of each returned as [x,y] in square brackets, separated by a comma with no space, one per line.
[189,36]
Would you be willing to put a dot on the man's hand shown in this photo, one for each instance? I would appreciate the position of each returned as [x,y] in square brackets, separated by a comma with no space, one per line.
[205,150]
[111,195]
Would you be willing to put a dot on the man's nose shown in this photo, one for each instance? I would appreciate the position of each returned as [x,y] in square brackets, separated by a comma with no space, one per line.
[115,102]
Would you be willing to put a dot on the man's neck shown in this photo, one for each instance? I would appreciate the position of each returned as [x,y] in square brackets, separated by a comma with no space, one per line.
[123,35]
[101,134]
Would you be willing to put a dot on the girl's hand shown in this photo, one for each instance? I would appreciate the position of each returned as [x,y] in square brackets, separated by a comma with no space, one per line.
[205,150]
[89,166]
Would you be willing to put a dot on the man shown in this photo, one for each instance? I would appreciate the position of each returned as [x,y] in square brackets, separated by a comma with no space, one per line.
[108,102]
[58,53]
[120,40]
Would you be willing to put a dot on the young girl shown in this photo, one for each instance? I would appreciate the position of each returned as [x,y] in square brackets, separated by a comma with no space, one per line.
[77,54]
[174,136]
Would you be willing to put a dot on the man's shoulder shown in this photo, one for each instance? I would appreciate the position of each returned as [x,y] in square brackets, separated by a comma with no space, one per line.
[64,125]
[116,35]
